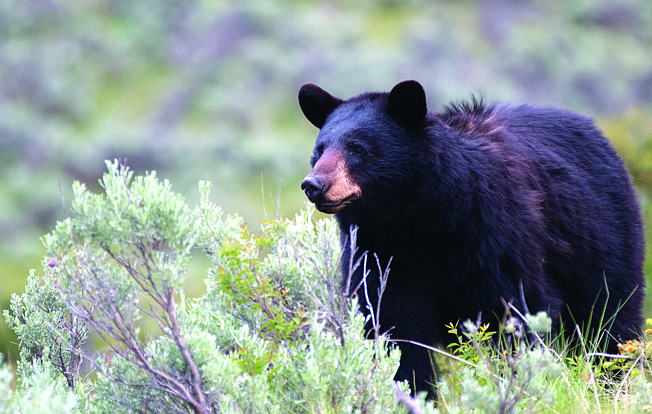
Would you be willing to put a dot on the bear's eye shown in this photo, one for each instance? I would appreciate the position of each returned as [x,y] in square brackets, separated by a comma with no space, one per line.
[357,149]
[320,150]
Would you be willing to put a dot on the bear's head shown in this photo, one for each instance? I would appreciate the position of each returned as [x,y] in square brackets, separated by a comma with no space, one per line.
[366,147]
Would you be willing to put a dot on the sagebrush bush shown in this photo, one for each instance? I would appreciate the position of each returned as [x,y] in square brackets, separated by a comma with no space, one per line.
[271,334]
[46,329]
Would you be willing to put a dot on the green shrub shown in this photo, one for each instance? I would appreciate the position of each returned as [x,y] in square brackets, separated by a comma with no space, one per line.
[41,391]
[271,334]
[46,329]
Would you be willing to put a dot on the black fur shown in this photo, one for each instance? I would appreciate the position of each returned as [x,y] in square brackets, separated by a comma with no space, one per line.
[473,203]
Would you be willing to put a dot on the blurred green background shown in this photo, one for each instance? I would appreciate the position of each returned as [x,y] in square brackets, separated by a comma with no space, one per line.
[200,89]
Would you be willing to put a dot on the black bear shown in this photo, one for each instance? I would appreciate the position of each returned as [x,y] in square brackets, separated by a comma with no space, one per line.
[475,205]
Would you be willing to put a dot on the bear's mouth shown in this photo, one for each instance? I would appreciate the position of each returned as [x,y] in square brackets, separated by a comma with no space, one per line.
[330,207]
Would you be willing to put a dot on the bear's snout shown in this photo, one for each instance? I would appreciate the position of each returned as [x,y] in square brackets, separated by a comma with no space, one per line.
[313,187]
[329,185]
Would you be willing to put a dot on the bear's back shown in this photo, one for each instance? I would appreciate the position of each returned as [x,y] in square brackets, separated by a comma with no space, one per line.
[594,241]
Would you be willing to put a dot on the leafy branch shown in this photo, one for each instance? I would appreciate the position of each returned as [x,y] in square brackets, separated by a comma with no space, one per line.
[123,256]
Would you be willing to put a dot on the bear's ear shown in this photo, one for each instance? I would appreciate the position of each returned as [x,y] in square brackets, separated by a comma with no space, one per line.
[407,104]
[317,104]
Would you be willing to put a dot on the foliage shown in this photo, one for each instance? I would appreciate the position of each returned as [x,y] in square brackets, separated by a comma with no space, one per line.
[271,334]
[42,391]
[638,353]
[509,371]
[123,254]
[47,330]
[631,134]
[267,336]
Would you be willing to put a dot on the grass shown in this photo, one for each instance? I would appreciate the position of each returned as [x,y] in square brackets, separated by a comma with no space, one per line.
[530,373]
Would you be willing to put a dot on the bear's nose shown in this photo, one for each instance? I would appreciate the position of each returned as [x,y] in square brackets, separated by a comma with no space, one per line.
[313,187]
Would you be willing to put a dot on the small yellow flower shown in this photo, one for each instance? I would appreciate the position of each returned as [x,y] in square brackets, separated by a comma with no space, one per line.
[648,321]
